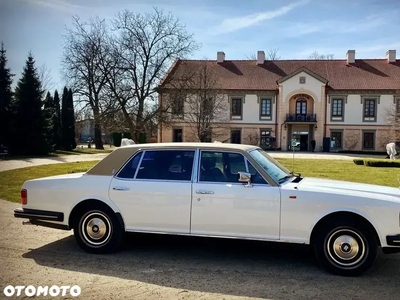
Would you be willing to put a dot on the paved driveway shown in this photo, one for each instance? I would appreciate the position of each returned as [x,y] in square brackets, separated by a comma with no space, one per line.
[163,267]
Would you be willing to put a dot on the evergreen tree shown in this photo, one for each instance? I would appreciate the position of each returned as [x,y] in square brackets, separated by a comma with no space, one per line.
[48,116]
[6,111]
[30,124]
[68,120]
[72,118]
[57,133]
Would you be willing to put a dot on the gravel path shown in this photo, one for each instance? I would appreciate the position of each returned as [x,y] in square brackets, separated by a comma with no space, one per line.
[163,267]
[30,162]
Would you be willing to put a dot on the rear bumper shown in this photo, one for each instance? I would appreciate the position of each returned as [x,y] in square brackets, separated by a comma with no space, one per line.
[393,240]
[36,214]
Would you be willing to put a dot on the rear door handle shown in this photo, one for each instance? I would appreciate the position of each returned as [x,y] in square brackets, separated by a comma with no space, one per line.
[204,192]
[120,188]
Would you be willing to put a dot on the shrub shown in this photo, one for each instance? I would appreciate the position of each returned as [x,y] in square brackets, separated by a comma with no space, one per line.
[358,161]
[382,163]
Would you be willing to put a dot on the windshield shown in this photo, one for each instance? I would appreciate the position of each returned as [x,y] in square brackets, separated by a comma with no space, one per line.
[274,169]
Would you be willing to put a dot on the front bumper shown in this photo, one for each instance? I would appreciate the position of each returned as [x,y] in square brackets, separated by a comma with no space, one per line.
[36,214]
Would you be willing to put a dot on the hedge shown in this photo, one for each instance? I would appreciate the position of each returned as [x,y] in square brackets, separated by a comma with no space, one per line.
[358,161]
[379,163]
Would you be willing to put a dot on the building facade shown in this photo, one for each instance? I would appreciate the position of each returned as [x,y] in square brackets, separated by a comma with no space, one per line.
[326,105]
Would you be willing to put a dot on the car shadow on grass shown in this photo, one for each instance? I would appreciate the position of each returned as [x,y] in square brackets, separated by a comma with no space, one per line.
[223,266]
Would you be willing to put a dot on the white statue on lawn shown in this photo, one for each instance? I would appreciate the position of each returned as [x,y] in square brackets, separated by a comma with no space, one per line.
[391,150]
[127,142]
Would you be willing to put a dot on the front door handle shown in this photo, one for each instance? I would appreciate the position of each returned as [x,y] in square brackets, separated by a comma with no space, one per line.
[120,188]
[204,192]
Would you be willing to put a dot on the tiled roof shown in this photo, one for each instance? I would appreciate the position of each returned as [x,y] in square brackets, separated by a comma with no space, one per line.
[364,74]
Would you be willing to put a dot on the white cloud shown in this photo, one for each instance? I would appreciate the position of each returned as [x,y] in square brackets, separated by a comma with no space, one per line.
[337,26]
[234,24]
[57,4]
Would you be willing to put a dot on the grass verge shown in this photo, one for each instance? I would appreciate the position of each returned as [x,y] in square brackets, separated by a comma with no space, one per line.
[12,180]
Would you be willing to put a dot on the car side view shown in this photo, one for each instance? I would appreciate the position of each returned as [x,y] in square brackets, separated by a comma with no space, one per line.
[217,190]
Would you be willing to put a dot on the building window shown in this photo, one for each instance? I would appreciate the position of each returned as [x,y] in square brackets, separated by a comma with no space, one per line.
[177,135]
[337,139]
[236,108]
[302,80]
[397,105]
[266,109]
[236,136]
[337,107]
[369,114]
[266,141]
[177,106]
[368,140]
[301,106]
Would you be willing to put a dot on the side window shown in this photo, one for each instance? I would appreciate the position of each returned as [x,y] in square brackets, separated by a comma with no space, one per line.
[221,166]
[129,170]
[166,165]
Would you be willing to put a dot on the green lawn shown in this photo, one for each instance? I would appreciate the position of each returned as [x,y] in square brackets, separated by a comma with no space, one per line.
[11,181]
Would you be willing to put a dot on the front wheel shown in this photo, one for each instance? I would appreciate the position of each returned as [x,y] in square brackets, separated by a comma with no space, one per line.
[345,248]
[98,231]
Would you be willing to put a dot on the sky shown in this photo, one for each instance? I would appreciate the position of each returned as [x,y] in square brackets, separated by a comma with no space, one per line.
[296,28]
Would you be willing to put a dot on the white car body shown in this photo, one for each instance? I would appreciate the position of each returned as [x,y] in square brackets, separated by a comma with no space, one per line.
[282,212]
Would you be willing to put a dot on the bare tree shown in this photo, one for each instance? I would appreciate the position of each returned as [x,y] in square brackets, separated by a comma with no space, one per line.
[392,114]
[352,137]
[84,49]
[145,47]
[272,54]
[45,79]
[203,107]
[251,56]
[253,139]
[316,55]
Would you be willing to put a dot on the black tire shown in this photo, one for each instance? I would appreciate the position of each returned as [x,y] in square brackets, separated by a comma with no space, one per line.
[98,230]
[345,248]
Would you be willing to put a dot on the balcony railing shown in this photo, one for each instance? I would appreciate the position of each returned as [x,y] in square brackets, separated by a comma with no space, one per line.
[301,118]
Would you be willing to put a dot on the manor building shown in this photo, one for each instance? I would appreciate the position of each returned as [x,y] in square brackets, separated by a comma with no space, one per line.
[341,104]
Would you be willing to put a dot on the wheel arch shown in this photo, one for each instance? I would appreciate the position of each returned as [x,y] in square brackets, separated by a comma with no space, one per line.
[87,204]
[333,216]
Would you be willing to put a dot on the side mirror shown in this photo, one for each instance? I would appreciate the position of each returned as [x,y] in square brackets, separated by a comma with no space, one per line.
[245,177]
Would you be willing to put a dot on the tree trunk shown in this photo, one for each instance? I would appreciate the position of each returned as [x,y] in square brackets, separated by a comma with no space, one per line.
[139,121]
[97,130]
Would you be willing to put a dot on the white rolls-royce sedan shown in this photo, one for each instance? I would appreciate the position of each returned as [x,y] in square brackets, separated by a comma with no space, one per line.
[217,190]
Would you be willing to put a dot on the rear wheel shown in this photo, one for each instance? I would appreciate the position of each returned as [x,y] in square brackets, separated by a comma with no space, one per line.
[98,230]
[345,248]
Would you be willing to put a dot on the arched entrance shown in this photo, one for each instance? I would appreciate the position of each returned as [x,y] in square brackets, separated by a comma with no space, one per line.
[301,122]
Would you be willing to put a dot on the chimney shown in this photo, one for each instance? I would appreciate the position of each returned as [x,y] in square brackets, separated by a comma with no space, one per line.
[351,56]
[220,56]
[391,56]
[260,57]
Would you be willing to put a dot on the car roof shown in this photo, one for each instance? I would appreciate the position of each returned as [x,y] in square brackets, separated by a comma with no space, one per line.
[215,145]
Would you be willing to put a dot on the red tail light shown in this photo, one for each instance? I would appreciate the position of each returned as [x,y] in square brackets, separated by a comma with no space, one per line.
[24,197]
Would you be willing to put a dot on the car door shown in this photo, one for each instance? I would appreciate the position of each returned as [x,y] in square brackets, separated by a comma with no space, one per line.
[153,191]
[222,206]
